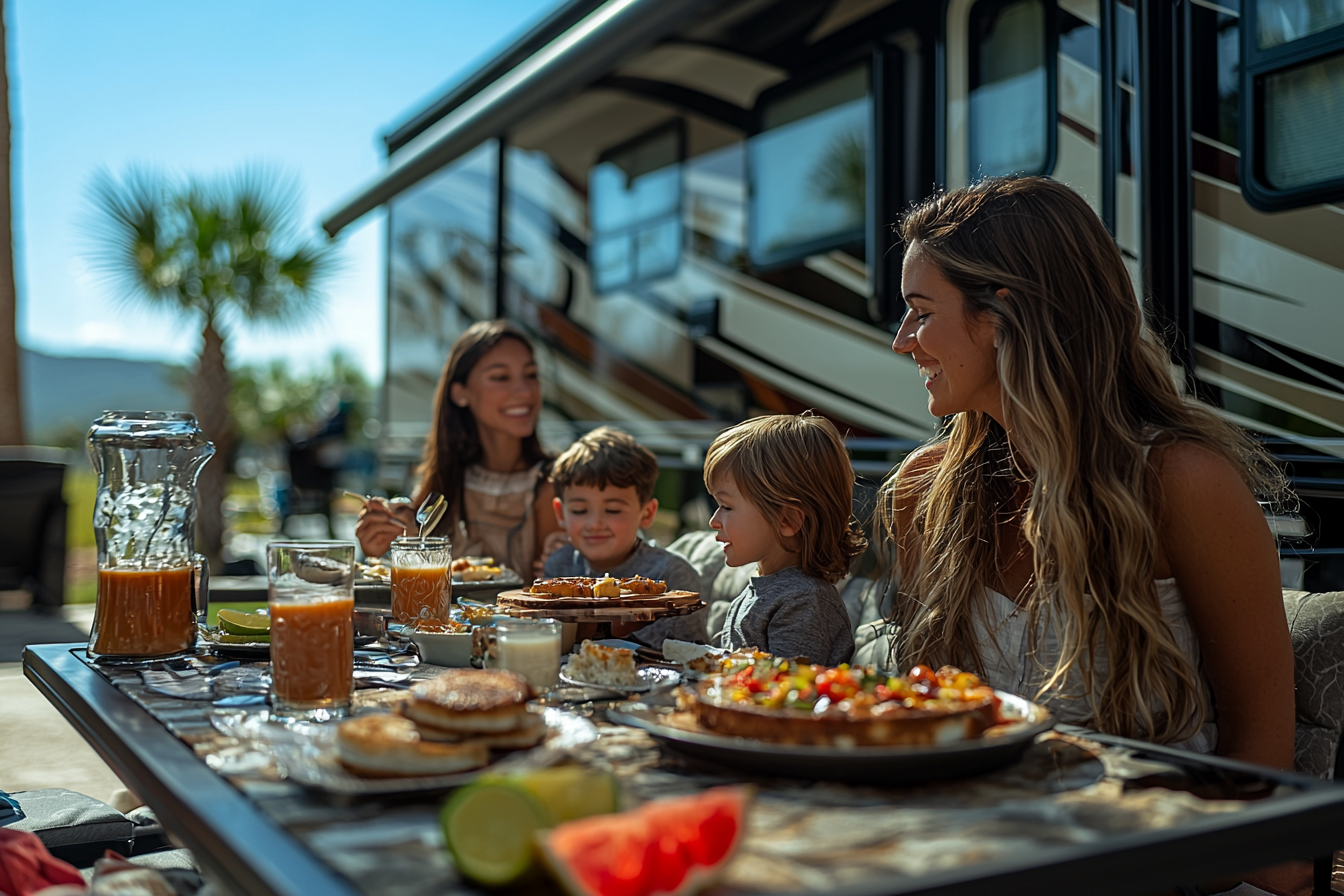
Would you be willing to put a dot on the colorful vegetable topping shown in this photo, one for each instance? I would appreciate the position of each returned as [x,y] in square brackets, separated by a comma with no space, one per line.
[815,688]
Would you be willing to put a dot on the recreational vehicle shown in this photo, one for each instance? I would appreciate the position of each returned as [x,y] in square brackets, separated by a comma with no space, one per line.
[689,204]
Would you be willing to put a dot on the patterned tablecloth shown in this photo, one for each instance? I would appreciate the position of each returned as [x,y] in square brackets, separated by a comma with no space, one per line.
[1067,790]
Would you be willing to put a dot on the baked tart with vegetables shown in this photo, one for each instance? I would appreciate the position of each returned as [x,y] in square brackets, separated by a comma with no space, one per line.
[783,701]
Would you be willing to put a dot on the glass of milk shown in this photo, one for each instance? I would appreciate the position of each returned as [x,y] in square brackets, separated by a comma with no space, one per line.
[530,647]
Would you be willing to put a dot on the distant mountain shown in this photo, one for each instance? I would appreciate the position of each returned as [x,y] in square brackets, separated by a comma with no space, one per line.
[62,396]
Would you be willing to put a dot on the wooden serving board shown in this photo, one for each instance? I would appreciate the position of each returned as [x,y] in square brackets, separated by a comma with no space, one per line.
[669,600]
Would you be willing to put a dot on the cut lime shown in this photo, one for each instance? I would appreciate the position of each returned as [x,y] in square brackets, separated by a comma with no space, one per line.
[488,828]
[572,791]
[226,638]
[236,623]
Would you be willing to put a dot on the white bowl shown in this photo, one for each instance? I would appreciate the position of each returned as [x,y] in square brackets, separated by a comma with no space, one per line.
[452,649]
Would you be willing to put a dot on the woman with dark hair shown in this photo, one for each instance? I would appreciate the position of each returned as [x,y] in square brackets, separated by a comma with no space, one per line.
[482,455]
[1079,532]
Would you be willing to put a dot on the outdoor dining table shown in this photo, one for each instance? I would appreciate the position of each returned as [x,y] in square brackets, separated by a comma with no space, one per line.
[1080,813]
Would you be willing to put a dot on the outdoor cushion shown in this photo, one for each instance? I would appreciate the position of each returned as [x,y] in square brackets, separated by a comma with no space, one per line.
[74,827]
[1316,622]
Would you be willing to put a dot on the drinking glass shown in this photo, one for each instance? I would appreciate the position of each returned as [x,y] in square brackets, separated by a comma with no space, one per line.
[421,578]
[530,647]
[312,605]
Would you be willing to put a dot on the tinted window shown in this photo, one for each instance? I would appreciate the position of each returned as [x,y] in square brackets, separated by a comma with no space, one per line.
[635,203]
[1282,21]
[1304,124]
[809,170]
[1009,98]
[441,278]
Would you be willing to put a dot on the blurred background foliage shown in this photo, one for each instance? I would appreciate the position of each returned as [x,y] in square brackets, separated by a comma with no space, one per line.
[270,402]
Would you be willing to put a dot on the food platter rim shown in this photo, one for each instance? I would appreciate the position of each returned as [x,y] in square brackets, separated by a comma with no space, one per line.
[1028,731]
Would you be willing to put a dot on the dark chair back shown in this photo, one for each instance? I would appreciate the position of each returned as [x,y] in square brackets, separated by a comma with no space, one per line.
[32,524]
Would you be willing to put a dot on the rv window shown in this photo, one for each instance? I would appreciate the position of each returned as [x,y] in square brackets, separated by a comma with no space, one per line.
[808,170]
[634,196]
[1282,21]
[1010,103]
[1292,103]
[1304,124]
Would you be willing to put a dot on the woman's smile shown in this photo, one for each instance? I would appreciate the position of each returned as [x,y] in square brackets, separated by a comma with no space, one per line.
[930,370]
[963,375]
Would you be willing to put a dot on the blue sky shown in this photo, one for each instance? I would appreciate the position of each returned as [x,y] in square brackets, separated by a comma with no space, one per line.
[307,86]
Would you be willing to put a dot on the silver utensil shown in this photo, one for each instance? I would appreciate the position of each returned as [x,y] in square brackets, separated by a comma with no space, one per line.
[430,512]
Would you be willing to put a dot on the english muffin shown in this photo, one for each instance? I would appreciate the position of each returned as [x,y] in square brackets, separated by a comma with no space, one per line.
[470,701]
[383,745]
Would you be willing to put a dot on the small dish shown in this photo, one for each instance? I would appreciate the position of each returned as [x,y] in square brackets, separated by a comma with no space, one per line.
[451,649]
[650,677]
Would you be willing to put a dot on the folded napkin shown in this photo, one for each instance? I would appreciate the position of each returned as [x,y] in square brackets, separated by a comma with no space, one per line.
[26,867]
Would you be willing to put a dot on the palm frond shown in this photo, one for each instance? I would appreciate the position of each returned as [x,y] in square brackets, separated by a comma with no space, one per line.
[227,246]
[134,236]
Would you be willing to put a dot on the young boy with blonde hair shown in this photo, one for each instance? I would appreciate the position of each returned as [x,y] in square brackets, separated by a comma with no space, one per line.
[603,498]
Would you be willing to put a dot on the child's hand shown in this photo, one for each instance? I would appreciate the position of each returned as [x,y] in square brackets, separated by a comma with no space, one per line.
[554,542]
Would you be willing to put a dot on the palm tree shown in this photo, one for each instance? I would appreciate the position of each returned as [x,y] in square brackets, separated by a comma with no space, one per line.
[221,252]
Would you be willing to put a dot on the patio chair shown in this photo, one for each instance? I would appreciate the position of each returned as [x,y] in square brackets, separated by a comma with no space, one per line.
[1316,622]
[32,525]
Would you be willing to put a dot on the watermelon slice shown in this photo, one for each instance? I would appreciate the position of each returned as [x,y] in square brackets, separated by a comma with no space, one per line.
[675,846]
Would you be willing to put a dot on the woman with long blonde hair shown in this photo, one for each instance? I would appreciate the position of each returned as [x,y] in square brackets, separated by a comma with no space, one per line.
[1079,532]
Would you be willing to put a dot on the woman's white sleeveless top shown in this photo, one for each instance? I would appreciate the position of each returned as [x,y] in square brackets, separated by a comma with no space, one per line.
[1005,646]
[1005,650]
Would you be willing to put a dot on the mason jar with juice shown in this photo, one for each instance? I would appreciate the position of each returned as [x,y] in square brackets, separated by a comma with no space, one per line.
[150,578]
[421,578]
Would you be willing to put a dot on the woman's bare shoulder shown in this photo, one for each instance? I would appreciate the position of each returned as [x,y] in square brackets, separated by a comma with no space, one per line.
[1188,469]
[921,461]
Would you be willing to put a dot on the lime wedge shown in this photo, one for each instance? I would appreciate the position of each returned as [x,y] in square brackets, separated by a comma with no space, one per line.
[236,623]
[226,638]
[488,828]
[572,791]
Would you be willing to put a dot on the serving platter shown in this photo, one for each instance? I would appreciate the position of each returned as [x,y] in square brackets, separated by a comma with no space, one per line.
[878,766]
[306,754]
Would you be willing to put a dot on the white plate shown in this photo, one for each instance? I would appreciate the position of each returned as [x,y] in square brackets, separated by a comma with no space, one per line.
[649,677]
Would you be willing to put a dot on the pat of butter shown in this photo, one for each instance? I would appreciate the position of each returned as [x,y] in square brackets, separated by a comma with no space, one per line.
[607,587]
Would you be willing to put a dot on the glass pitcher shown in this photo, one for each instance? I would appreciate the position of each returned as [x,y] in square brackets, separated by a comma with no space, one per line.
[150,578]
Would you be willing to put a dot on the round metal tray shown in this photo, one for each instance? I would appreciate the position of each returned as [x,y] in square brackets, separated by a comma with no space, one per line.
[877,766]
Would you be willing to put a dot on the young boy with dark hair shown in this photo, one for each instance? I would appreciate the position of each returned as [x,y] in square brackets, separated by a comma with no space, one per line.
[604,497]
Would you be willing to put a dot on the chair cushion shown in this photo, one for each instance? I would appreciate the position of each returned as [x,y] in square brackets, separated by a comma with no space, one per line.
[720,583]
[1316,623]
[73,827]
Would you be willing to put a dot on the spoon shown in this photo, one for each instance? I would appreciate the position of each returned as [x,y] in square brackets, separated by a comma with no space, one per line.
[430,512]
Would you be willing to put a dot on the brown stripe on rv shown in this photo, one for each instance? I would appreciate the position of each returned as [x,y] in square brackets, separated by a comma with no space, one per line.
[1326,407]
[1315,232]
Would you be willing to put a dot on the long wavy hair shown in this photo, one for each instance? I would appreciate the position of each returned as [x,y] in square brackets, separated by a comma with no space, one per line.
[455,442]
[1086,388]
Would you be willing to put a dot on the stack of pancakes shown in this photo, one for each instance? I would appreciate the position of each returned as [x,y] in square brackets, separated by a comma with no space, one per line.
[448,725]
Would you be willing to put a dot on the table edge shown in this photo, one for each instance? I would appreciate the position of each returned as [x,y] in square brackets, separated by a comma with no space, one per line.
[237,843]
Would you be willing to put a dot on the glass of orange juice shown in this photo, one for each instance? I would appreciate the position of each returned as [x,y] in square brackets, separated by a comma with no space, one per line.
[421,579]
[312,606]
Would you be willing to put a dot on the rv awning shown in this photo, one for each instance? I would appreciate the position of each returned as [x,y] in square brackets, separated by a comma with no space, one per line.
[578,56]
